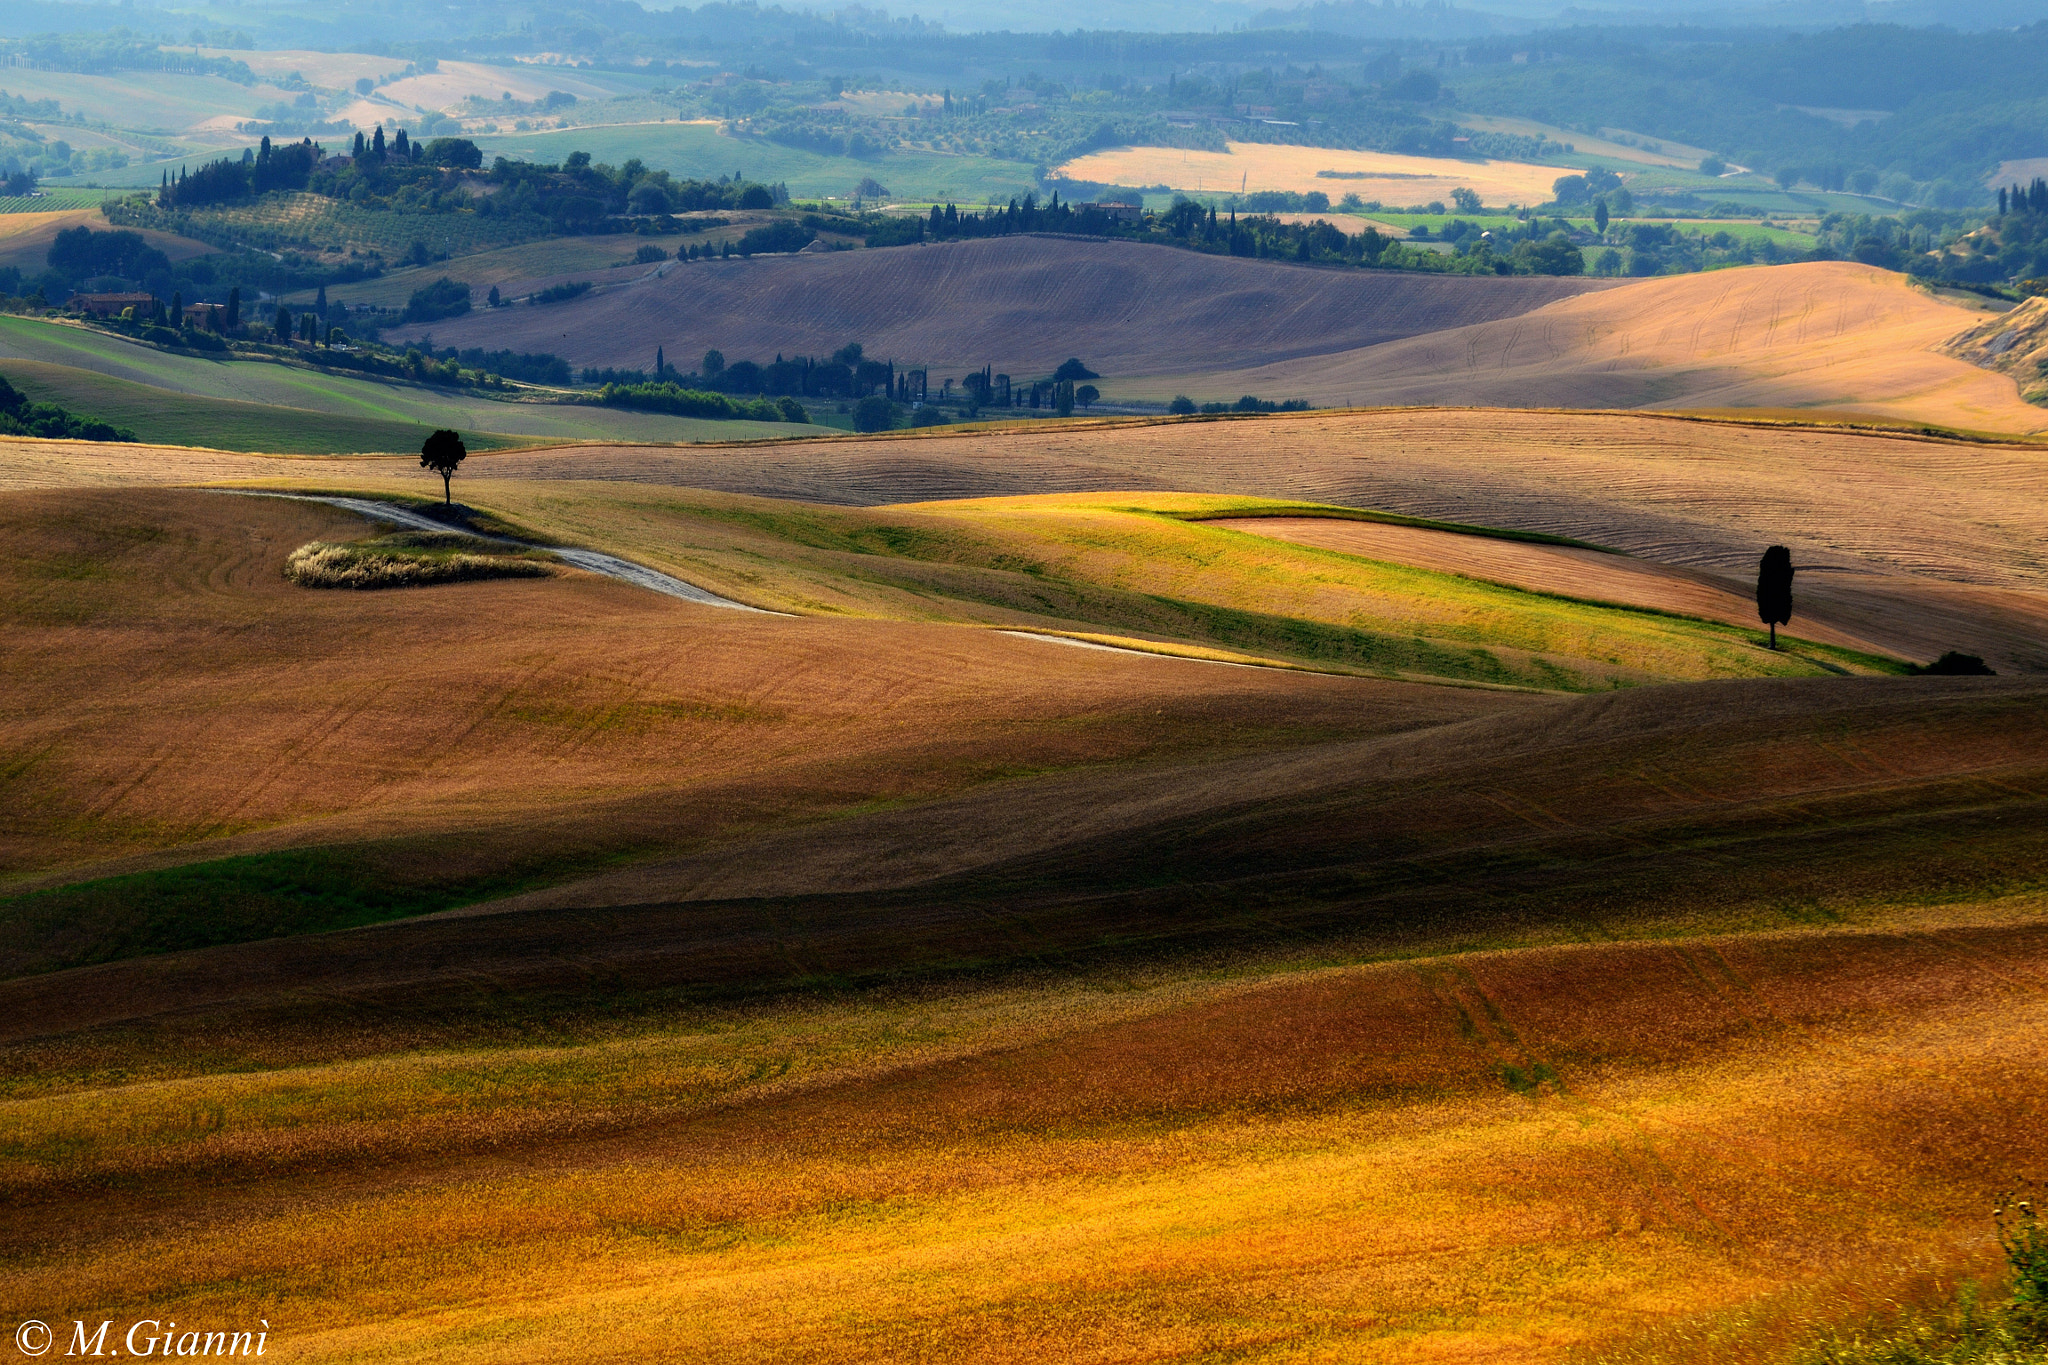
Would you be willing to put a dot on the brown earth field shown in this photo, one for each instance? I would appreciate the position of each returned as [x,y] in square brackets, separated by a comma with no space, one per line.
[1022,304]
[549,969]
[1824,337]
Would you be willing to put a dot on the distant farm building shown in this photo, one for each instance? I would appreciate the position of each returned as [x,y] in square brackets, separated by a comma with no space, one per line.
[112,305]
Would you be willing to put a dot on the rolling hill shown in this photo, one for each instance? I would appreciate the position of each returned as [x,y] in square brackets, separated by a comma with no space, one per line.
[1022,304]
[1927,544]
[1826,337]
[424,971]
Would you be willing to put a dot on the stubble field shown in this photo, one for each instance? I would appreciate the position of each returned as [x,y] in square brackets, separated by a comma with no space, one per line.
[1252,166]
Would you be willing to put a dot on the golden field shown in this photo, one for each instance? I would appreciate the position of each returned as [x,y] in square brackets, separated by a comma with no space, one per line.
[1388,177]
[1530,968]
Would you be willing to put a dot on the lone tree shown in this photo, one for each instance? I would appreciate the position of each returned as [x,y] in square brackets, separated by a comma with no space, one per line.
[1774,589]
[442,453]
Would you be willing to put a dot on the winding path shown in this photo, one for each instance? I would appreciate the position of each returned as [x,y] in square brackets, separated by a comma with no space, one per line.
[611,566]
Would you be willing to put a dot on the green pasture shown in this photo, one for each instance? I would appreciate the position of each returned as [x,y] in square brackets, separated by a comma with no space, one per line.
[699,151]
[314,396]
[182,419]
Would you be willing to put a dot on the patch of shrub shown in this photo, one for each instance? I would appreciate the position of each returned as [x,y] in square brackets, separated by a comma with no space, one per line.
[562,293]
[874,413]
[19,417]
[678,401]
[444,298]
[782,235]
[1954,665]
[1181,406]
[408,559]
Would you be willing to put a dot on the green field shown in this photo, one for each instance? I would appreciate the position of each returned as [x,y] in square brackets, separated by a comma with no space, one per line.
[163,418]
[309,400]
[698,150]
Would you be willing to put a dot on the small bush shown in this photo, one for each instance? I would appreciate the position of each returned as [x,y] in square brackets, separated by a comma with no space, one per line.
[562,293]
[927,416]
[1954,665]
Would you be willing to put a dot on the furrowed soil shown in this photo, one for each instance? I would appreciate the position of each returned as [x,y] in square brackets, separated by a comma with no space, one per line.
[1825,337]
[1021,304]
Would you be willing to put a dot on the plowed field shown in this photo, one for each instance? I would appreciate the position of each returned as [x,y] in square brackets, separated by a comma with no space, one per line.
[549,969]
[1022,304]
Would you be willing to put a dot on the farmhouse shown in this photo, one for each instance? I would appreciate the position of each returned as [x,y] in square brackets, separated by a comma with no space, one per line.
[110,305]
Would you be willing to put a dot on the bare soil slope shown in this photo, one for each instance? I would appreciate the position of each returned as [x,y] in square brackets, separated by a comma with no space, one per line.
[1833,335]
[1022,304]
[170,690]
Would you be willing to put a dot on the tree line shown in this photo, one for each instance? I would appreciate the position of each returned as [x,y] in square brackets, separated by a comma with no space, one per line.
[1528,249]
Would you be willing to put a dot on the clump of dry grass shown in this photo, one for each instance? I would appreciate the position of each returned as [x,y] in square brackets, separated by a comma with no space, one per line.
[408,559]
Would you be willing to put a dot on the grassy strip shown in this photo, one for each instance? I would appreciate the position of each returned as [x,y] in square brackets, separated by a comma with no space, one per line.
[1264,508]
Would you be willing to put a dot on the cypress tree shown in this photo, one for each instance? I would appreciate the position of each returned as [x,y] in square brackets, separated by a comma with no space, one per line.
[2001,202]
[1774,589]
[234,318]
[660,364]
[320,303]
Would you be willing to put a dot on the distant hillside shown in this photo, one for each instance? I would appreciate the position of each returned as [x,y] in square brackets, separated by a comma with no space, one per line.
[1829,335]
[1022,304]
